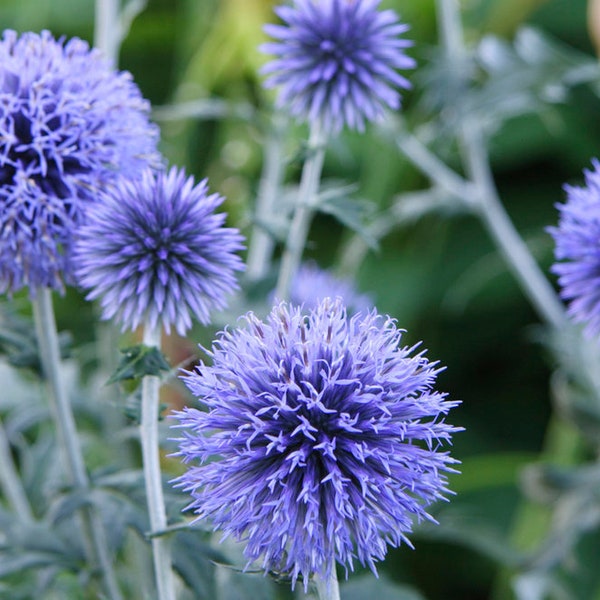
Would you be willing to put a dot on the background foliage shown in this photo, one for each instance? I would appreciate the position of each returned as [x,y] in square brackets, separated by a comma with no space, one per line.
[437,272]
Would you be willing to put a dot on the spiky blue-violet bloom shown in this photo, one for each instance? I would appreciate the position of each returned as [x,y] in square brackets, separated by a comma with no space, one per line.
[337,61]
[577,240]
[321,441]
[155,251]
[69,123]
[311,284]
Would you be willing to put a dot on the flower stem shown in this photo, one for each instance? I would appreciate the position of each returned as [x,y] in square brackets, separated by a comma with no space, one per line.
[107,32]
[303,212]
[161,551]
[327,587]
[490,209]
[10,481]
[261,245]
[93,528]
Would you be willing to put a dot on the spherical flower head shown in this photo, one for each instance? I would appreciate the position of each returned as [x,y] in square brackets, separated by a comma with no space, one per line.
[577,240]
[156,252]
[337,61]
[321,441]
[312,284]
[69,124]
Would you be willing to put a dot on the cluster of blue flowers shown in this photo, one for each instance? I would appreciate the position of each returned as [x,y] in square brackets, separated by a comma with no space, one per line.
[323,440]
[337,61]
[327,436]
[577,240]
[69,126]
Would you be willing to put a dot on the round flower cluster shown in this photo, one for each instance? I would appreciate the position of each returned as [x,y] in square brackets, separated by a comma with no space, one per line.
[577,244]
[337,60]
[322,441]
[154,251]
[69,124]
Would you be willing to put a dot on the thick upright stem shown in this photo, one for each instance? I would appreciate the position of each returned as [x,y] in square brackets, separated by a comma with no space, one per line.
[96,546]
[261,245]
[161,551]
[518,257]
[328,587]
[10,481]
[107,29]
[303,212]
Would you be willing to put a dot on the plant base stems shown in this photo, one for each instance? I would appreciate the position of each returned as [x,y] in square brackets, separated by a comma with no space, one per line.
[303,213]
[10,481]
[261,244]
[94,538]
[328,587]
[161,552]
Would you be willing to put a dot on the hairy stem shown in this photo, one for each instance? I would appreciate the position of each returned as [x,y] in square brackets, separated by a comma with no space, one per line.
[161,551]
[261,245]
[93,529]
[303,212]
[10,480]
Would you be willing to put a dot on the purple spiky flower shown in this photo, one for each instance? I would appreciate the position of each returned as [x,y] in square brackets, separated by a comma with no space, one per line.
[155,251]
[337,61]
[69,124]
[322,439]
[577,240]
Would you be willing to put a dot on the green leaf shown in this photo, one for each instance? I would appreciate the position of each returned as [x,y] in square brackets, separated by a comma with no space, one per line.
[18,341]
[353,213]
[137,362]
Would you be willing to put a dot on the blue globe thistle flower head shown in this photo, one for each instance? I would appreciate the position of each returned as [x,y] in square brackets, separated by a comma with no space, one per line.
[155,251]
[69,124]
[577,244]
[322,439]
[312,284]
[337,61]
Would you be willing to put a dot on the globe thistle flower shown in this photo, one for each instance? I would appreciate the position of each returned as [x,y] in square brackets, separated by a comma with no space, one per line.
[311,284]
[68,124]
[322,438]
[577,244]
[337,61]
[155,251]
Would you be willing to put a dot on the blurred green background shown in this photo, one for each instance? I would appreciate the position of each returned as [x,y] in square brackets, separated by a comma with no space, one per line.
[439,276]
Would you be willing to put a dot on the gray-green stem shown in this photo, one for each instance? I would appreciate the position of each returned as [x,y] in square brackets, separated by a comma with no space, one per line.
[303,212]
[482,190]
[261,245]
[11,482]
[328,587]
[161,551]
[107,29]
[93,529]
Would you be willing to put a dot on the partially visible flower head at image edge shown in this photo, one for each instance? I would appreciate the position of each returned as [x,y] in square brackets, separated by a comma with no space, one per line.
[312,283]
[322,441]
[336,61]
[155,252]
[69,124]
[577,239]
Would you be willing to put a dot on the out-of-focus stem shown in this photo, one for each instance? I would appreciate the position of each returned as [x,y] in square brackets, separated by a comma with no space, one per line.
[93,530]
[261,245]
[328,587]
[518,257]
[161,552]
[303,212]
[107,29]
